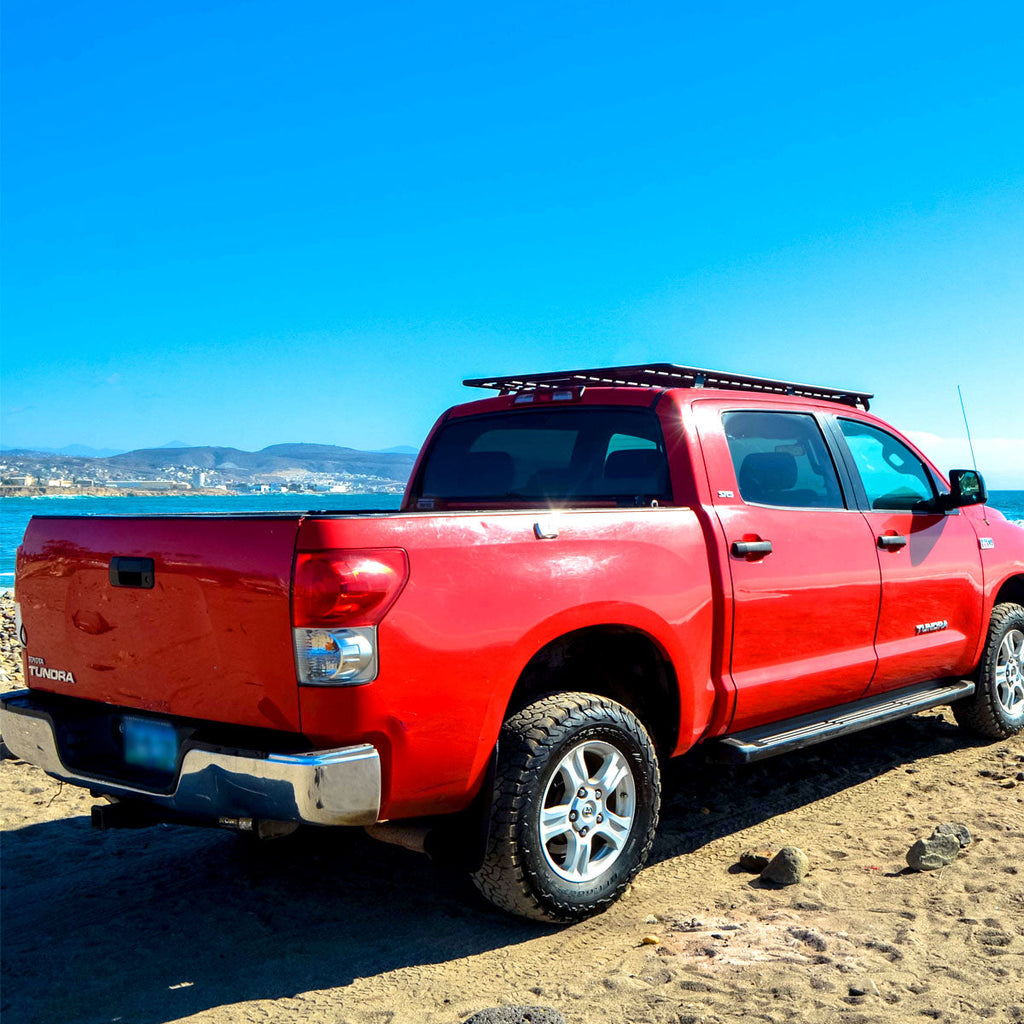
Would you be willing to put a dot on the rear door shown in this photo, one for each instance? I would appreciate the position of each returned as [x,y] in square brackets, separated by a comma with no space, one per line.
[805,577]
[930,561]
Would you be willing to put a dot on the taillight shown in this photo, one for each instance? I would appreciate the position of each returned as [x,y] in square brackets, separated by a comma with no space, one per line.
[346,587]
[338,597]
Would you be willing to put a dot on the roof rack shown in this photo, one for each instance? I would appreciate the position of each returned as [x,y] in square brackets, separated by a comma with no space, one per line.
[667,375]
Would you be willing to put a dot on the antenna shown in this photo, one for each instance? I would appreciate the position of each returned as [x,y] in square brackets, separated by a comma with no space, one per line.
[968,426]
[969,441]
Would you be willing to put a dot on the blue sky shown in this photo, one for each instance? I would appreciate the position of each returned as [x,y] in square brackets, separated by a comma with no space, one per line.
[250,223]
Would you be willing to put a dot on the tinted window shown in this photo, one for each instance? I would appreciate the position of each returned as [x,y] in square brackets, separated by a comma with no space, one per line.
[780,458]
[893,476]
[573,455]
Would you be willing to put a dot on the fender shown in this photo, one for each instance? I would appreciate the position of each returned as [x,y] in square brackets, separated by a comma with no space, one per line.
[683,649]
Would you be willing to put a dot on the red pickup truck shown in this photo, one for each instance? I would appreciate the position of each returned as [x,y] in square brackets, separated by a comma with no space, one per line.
[591,572]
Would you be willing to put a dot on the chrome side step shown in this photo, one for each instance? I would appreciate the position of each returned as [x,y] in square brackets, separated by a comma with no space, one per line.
[806,730]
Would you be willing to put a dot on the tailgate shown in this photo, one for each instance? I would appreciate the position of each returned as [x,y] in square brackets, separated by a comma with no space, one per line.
[207,636]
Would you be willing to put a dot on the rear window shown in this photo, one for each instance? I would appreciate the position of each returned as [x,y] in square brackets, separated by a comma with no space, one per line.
[781,459]
[569,456]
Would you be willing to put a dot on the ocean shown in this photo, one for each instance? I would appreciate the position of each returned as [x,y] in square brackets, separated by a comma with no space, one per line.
[16,512]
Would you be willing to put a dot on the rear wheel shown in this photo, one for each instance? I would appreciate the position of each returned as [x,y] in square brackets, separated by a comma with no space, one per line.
[997,708]
[575,807]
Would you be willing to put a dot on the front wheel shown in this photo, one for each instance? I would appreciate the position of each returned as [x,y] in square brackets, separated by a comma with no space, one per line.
[997,708]
[575,807]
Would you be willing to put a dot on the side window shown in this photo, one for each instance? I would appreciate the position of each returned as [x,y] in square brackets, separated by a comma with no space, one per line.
[893,476]
[781,458]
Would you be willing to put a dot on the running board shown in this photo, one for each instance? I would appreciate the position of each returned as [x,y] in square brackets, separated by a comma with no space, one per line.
[806,730]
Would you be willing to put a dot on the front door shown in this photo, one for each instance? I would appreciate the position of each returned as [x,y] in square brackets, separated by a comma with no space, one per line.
[930,561]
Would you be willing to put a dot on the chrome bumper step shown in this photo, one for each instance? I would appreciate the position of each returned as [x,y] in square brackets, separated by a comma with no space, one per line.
[341,786]
[806,730]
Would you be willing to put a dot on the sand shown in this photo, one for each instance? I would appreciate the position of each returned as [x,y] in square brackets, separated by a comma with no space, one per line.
[169,923]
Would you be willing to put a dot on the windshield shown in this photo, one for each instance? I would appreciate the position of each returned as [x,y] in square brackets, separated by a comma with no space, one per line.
[601,455]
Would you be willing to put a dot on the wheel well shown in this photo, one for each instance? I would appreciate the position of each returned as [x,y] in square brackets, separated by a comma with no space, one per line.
[1012,590]
[618,662]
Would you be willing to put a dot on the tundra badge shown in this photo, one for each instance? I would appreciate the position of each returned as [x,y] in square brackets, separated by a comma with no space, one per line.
[37,669]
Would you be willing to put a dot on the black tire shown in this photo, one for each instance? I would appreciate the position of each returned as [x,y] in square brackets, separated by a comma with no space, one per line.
[580,869]
[996,710]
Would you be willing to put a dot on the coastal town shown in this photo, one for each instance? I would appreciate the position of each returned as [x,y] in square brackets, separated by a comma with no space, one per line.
[300,468]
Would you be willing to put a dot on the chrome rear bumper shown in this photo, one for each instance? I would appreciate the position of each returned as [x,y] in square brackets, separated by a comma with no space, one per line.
[323,787]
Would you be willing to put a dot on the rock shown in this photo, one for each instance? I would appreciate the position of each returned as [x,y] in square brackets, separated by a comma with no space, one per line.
[952,828]
[809,937]
[938,850]
[650,919]
[516,1015]
[787,867]
[650,940]
[994,937]
[756,858]
[864,988]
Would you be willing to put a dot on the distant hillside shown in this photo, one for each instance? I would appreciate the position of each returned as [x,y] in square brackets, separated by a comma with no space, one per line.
[76,451]
[275,459]
[322,464]
[401,449]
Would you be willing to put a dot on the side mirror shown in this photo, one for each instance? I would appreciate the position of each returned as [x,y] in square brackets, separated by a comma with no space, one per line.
[966,488]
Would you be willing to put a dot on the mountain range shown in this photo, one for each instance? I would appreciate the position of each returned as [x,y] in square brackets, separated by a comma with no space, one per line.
[78,451]
[275,461]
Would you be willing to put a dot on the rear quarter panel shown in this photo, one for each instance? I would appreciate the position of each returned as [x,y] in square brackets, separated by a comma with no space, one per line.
[483,596]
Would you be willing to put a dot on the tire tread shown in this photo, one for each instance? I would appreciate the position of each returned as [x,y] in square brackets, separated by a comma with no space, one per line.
[980,713]
[503,878]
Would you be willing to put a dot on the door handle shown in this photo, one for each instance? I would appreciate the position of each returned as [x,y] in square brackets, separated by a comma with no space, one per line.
[892,541]
[131,572]
[746,548]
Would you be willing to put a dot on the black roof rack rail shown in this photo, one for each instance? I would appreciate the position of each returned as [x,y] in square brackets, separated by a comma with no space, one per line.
[667,375]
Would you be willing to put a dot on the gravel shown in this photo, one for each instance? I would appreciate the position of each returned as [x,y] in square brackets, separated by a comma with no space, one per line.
[10,649]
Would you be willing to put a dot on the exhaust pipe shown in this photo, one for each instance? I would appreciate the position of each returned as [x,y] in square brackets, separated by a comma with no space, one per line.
[262,829]
[126,814]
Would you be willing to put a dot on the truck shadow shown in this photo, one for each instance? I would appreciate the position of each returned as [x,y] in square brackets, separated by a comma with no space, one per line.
[703,802]
[155,925]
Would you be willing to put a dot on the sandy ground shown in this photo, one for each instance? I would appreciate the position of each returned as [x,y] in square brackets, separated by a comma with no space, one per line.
[169,924]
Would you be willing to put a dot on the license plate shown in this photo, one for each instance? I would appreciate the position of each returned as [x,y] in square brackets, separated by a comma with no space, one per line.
[149,744]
